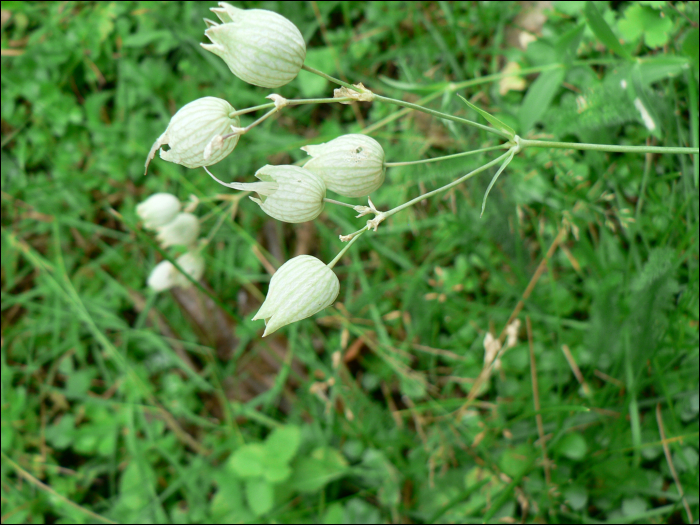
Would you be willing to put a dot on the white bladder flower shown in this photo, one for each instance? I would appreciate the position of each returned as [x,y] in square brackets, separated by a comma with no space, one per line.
[260,47]
[287,193]
[158,210]
[182,230]
[165,275]
[351,165]
[197,124]
[300,288]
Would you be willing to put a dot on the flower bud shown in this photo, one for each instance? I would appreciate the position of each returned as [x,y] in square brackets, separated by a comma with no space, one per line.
[300,288]
[287,193]
[162,276]
[192,129]
[182,230]
[158,210]
[351,165]
[193,265]
[260,47]
[165,275]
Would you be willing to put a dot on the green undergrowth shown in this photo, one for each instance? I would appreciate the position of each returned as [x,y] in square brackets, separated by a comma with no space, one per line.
[121,405]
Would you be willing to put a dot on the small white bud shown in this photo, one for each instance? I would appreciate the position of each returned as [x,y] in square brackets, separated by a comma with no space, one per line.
[351,165]
[287,193]
[193,265]
[158,210]
[182,230]
[165,275]
[162,276]
[260,47]
[192,129]
[300,288]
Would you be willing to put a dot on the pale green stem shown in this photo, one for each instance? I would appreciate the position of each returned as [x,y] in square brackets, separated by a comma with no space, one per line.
[604,147]
[446,157]
[447,186]
[245,130]
[250,110]
[416,107]
[441,115]
[300,101]
[356,236]
[290,102]
[495,177]
[329,78]
[219,223]
[340,203]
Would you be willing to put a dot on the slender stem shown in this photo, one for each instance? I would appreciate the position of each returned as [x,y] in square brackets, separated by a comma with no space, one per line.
[300,101]
[446,157]
[396,102]
[447,186]
[291,102]
[357,235]
[441,115]
[219,222]
[604,147]
[341,203]
[250,110]
[251,126]
[329,78]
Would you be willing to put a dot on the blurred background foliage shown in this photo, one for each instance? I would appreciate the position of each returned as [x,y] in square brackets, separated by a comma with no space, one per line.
[121,405]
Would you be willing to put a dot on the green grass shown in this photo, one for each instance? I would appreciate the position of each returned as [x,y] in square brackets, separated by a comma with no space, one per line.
[120,405]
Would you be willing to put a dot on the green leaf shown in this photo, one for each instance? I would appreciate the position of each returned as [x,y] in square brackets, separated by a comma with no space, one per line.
[249,461]
[335,515]
[647,22]
[227,505]
[573,446]
[315,472]
[576,497]
[516,461]
[496,123]
[567,44]
[277,472]
[602,30]
[539,97]
[690,45]
[660,67]
[283,442]
[260,496]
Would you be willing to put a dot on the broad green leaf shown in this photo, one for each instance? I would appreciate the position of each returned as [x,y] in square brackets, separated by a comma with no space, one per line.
[136,485]
[516,461]
[276,472]
[645,21]
[283,442]
[227,505]
[539,97]
[249,461]
[567,44]
[661,67]
[260,496]
[602,30]
[496,123]
[573,446]
[314,472]
[576,497]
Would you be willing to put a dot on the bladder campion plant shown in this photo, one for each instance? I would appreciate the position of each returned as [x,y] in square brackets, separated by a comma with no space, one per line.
[267,50]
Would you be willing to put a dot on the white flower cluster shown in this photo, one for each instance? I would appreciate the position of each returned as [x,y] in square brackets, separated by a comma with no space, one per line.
[265,49]
[161,213]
